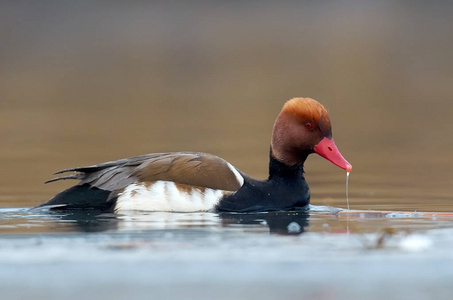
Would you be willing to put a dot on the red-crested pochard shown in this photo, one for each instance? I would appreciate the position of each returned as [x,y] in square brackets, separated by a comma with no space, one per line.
[189,182]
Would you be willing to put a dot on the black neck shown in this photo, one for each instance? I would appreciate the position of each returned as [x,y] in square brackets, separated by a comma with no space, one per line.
[278,169]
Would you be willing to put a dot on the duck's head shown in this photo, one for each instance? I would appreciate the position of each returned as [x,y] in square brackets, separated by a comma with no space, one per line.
[303,127]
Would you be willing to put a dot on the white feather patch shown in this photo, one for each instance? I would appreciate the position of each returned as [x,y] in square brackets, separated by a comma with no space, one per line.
[165,196]
[239,177]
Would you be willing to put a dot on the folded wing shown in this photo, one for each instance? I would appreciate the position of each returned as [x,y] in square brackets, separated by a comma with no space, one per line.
[190,168]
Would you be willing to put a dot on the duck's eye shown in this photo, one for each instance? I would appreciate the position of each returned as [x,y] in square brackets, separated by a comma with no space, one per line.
[308,125]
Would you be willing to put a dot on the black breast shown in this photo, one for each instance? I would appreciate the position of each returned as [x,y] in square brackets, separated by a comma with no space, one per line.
[286,189]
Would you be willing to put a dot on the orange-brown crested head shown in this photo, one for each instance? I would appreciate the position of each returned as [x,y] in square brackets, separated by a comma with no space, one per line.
[308,110]
[301,128]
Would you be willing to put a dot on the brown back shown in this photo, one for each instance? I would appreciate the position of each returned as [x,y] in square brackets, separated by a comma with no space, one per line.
[198,169]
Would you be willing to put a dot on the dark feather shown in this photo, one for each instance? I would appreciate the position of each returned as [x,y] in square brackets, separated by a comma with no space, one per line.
[80,196]
[73,176]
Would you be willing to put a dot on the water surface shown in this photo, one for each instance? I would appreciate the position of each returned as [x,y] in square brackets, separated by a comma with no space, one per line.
[322,252]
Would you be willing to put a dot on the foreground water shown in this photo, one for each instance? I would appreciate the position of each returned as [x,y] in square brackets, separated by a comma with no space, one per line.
[326,253]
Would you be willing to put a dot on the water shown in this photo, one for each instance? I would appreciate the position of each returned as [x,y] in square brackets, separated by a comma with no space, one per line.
[102,83]
[228,255]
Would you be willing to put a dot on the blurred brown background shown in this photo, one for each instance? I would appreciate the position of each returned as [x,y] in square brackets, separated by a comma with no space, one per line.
[82,82]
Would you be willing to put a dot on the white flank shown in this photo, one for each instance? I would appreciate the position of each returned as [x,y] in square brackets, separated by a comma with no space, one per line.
[165,196]
[239,177]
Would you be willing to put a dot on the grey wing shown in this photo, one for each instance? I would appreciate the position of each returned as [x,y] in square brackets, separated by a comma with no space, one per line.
[110,175]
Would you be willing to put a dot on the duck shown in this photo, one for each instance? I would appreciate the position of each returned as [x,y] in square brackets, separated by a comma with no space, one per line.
[196,182]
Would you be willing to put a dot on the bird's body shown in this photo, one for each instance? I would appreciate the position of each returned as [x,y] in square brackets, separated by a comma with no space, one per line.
[189,181]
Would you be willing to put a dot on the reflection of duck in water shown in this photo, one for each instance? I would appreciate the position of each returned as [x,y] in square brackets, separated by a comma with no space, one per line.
[83,220]
[280,222]
[189,182]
